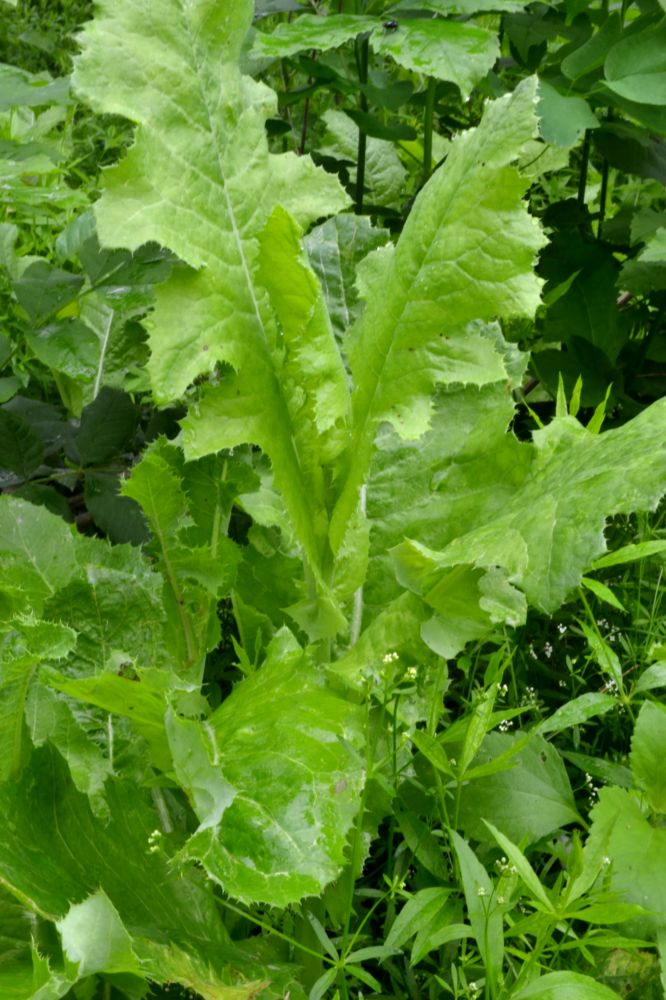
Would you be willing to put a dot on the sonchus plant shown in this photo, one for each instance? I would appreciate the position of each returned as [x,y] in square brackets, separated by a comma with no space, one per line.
[394,516]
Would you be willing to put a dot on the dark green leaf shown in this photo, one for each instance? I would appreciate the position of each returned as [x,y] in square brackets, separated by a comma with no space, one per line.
[21,450]
[107,425]
[42,290]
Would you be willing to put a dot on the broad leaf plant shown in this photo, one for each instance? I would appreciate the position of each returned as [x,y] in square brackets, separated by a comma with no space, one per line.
[349,400]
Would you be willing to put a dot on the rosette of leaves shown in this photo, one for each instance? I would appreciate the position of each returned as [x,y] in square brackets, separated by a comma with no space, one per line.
[390,483]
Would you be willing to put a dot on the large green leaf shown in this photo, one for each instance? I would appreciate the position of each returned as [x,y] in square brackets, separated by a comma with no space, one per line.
[199,179]
[536,511]
[635,67]
[455,262]
[634,850]
[91,873]
[647,752]
[530,798]
[274,780]
[461,53]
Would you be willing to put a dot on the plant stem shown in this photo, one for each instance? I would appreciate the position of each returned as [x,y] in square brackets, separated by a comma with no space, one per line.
[362,51]
[427,128]
[582,180]
[602,198]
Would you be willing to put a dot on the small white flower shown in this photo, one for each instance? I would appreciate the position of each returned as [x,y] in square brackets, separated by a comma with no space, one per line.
[481,892]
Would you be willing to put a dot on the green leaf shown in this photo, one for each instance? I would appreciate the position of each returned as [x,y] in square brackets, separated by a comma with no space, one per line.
[385,177]
[107,424]
[482,907]
[335,248]
[653,677]
[630,553]
[273,780]
[23,643]
[309,32]
[415,330]
[563,119]
[42,290]
[647,754]
[119,517]
[635,67]
[540,518]
[49,717]
[68,346]
[564,986]
[94,873]
[635,852]
[527,874]
[592,53]
[21,450]
[204,177]
[314,361]
[577,711]
[141,701]
[526,801]
[420,910]
[426,848]
[156,484]
[95,939]
[460,52]
[603,592]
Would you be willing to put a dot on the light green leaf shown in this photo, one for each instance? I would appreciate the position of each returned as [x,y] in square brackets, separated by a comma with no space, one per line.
[653,677]
[634,852]
[335,248]
[460,52]
[95,939]
[49,717]
[482,908]
[193,576]
[635,67]
[460,6]
[565,986]
[449,50]
[527,874]
[24,643]
[604,655]
[647,754]
[313,359]
[415,331]
[526,801]
[603,592]
[184,185]
[577,711]
[536,511]
[563,119]
[142,702]
[273,781]
[309,32]
[421,909]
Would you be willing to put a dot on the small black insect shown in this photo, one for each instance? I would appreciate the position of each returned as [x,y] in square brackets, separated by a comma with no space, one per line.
[391,25]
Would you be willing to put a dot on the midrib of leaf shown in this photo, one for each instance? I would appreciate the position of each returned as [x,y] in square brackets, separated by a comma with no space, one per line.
[102,357]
